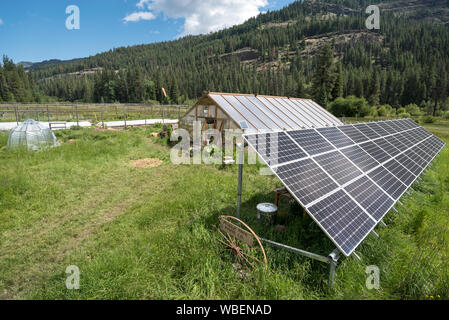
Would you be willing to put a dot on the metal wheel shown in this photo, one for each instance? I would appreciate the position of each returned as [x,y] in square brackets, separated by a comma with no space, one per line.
[239,239]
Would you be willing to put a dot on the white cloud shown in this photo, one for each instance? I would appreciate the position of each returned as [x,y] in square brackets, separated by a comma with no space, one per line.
[204,16]
[137,16]
[143,3]
[1,21]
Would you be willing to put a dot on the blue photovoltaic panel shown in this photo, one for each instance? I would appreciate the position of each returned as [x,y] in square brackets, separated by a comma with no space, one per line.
[377,128]
[400,172]
[349,177]
[404,139]
[311,141]
[367,131]
[416,157]
[396,143]
[275,148]
[354,134]
[374,151]
[387,147]
[343,219]
[306,180]
[338,167]
[389,127]
[360,158]
[391,185]
[375,201]
[408,163]
[336,137]
[400,124]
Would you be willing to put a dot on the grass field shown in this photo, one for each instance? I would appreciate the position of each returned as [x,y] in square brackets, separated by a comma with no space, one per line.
[147,233]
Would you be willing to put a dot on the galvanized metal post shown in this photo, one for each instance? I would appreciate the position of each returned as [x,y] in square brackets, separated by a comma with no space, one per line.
[240,147]
[333,260]
[48,114]
[304,253]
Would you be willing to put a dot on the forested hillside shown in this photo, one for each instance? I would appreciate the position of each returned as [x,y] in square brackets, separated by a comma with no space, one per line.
[279,53]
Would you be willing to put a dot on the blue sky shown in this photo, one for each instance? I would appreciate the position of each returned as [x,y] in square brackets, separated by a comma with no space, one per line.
[34,31]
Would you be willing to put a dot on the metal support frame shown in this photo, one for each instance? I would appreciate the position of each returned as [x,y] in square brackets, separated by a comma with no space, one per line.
[240,147]
[333,257]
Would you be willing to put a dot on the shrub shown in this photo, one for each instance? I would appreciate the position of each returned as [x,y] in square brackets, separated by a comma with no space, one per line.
[350,106]
[382,111]
[390,110]
[446,115]
[429,119]
[413,109]
[401,110]
[374,113]
[404,115]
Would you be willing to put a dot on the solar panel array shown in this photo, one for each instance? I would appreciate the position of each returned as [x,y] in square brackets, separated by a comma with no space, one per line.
[348,177]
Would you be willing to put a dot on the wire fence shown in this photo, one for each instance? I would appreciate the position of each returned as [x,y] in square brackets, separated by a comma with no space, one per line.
[94,113]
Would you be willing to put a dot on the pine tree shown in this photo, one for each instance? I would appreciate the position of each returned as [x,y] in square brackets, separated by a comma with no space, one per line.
[358,89]
[324,76]
[374,95]
[338,85]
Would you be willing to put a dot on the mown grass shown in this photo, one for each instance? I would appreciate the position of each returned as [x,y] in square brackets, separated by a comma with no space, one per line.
[147,233]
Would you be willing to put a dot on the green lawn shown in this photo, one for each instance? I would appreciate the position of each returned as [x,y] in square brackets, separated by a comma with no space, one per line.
[147,233]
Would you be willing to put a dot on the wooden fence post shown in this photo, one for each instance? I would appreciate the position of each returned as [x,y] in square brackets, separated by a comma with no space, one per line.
[102,116]
[17,114]
[77,119]
[125,116]
[145,115]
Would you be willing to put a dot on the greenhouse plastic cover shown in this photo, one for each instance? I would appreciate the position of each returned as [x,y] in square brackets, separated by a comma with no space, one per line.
[33,136]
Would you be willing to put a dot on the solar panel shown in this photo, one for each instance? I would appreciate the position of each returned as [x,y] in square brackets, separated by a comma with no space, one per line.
[386,146]
[374,151]
[389,183]
[400,172]
[343,220]
[377,128]
[306,180]
[275,148]
[389,127]
[398,144]
[354,134]
[360,158]
[347,178]
[371,197]
[367,131]
[336,137]
[338,167]
[311,141]
[412,166]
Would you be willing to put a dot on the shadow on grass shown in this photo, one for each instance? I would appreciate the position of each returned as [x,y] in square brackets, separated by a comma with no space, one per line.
[298,232]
